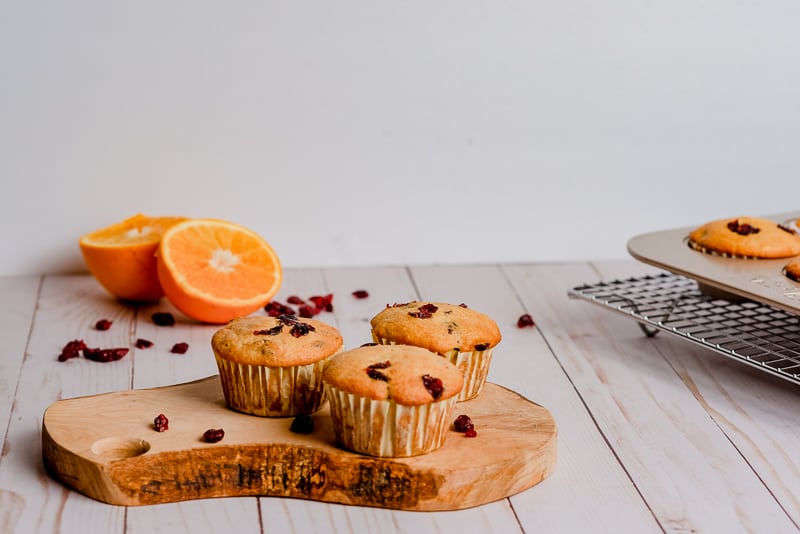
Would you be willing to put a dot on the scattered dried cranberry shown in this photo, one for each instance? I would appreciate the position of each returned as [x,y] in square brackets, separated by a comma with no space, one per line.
[179,348]
[471,433]
[274,331]
[275,308]
[425,311]
[463,423]
[307,312]
[368,344]
[481,346]
[302,424]
[294,299]
[71,350]
[434,386]
[213,435]
[324,302]
[360,293]
[374,373]
[742,228]
[163,319]
[525,320]
[102,324]
[143,343]
[463,305]
[105,355]
[161,423]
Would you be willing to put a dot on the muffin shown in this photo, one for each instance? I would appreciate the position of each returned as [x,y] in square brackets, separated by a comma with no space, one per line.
[272,366]
[391,400]
[746,237]
[792,270]
[465,337]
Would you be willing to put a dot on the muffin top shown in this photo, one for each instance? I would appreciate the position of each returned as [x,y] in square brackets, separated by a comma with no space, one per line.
[751,237]
[282,341]
[437,326]
[410,376]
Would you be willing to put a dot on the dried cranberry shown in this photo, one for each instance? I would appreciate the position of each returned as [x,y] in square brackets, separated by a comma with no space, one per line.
[179,348]
[275,308]
[481,346]
[462,305]
[163,319]
[742,228]
[434,386]
[161,423]
[374,373]
[377,375]
[102,324]
[301,329]
[525,320]
[143,343]
[105,355]
[294,299]
[302,424]
[307,312]
[213,435]
[471,433]
[324,302]
[71,350]
[274,331]
[360,293]
[368,344]
[425,311]
[463,423]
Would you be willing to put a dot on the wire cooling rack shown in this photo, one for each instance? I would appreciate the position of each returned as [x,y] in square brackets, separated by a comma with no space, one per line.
[750,332]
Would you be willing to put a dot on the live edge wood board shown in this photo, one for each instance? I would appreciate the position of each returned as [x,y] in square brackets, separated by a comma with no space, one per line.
[105,446]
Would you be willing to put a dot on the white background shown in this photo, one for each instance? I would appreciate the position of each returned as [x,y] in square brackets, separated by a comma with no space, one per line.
[402,132]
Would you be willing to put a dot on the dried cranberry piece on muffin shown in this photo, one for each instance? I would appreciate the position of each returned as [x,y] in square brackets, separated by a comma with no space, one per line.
[272,366]
[391,400]
[464,336]
[746,237]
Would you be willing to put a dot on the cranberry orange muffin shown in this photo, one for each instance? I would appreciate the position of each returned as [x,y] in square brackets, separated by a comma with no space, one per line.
[391,400]
[792,270]
[272,366]
[465,337]
[746,237]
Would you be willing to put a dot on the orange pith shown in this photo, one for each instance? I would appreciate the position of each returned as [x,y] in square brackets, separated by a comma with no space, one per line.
[214,271]
[122,256]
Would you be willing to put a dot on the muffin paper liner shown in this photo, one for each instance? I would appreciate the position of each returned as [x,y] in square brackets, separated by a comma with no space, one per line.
[272,391]
[474,364]
[387,429]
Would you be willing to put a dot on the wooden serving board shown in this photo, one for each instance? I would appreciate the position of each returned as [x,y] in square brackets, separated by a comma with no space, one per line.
[105,447]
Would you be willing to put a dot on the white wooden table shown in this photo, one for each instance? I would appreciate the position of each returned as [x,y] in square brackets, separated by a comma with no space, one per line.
[655,434]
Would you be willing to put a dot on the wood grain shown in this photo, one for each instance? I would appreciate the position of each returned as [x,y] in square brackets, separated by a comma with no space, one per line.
[105,447]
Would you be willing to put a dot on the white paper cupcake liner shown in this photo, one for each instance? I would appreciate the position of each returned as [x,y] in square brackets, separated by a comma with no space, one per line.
[387,429]
[474,364]
[272,391]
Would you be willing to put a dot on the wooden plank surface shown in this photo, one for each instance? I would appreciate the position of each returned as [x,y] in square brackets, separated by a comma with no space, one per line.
[685,468]
[750,408]
[654,434]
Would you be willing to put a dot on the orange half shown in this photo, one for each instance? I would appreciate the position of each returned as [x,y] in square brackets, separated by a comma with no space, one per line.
[122,256]
[214,270]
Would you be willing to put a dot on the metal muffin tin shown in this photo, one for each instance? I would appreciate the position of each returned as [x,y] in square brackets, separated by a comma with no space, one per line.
[746,309]
[762,280]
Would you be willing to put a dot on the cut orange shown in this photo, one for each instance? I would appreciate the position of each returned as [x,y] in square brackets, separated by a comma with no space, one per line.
[122,256]
[214,271]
